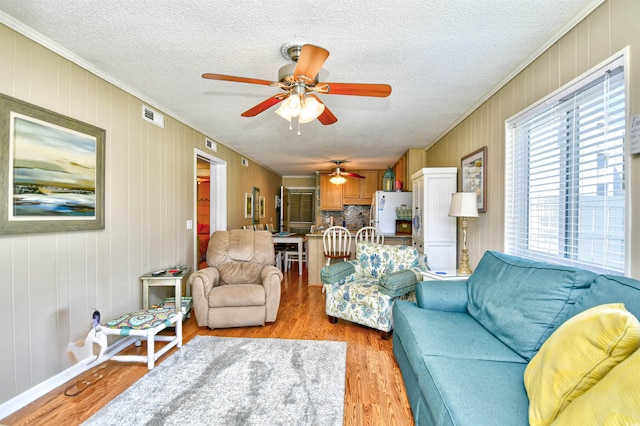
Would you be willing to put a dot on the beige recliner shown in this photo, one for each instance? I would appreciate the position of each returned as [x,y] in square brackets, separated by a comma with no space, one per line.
[241,286]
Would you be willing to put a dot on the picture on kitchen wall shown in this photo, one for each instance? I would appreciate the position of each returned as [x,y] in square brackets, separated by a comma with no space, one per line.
[262,207]
[52,171]
[474,176]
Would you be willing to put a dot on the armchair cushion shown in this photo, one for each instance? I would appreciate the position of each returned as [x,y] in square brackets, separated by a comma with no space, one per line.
[398,283]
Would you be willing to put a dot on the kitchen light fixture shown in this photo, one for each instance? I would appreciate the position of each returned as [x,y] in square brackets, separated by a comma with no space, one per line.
[337,179]
[464,205]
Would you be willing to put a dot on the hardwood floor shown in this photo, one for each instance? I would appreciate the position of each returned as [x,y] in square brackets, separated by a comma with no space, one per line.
[374,392]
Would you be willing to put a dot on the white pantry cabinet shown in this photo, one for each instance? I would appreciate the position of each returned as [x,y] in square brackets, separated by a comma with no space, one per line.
[433,231]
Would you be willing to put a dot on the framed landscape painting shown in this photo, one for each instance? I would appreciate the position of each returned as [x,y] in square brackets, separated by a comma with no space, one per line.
[51,171]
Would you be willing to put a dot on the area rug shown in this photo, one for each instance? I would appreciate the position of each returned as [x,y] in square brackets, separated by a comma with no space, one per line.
[236,381]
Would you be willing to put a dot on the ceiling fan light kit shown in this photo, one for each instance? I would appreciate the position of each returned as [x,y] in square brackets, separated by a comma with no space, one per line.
[337,180]
[298,80]
[338,176]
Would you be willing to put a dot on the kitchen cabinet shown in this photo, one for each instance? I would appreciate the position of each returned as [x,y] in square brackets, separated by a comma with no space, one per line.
[434,232]
[413,160]
[360,191]
[330,194]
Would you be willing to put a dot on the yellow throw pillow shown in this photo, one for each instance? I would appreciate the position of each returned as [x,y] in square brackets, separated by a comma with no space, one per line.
[576,356]
[614,400]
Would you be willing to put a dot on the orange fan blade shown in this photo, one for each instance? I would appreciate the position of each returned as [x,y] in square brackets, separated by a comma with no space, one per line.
[352,175]
[236,79]
[327,116]
[310,61]
[263,106]
[355,89]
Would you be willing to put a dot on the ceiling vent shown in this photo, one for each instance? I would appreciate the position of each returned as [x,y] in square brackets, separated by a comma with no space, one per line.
[153,116]
[211,144]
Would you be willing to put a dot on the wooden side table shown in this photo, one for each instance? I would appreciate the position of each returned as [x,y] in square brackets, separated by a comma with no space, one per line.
[164,280]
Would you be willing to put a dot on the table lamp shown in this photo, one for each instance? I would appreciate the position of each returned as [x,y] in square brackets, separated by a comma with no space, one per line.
[464,205]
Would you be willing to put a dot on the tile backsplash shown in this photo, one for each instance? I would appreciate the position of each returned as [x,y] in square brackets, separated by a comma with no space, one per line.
[355,217]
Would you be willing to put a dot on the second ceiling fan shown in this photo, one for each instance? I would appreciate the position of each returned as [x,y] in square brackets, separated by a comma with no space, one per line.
[299,81]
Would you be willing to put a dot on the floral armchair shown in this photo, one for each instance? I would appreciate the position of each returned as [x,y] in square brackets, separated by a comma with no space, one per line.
[363,290]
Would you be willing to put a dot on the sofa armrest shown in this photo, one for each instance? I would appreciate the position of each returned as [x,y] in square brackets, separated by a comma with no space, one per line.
[337,272]
[442,295]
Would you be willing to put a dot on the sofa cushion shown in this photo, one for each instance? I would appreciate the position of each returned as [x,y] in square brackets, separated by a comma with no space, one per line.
[521,301]
[610,289]
[397,283]
[474,392]
[611,401]
[576,356]
[447,334]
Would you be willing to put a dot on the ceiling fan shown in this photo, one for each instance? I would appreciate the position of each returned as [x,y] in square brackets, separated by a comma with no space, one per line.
[338,176]
[299,81]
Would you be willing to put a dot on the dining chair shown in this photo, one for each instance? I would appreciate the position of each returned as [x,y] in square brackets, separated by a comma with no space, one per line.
[248,227]
[259,226]
[370,234]
[291,256]
[336,241]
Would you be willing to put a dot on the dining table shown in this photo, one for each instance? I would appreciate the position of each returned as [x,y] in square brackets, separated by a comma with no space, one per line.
[291,238]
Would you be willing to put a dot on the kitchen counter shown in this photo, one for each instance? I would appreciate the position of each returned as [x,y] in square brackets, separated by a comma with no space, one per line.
[315,252]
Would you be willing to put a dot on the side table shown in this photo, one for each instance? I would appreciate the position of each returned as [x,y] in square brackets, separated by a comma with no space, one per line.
[164,280]
[444,275]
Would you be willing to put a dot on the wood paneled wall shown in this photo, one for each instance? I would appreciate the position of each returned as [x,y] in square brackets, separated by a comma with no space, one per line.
[606,31]
[51,282]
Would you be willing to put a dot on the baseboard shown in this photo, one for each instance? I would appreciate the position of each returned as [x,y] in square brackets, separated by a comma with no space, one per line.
[37,391]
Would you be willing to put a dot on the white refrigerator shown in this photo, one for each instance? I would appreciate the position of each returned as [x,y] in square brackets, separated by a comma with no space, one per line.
[383,209]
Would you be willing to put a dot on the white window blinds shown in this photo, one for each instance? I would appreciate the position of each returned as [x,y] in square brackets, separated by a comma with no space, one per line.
[565,177]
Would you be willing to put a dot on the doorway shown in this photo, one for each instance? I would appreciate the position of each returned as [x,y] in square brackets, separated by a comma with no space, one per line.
[210,182]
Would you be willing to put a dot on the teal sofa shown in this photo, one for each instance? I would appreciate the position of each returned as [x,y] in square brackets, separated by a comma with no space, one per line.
[463,346]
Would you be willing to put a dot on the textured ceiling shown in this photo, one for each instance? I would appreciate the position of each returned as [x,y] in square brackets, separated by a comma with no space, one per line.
[442,57]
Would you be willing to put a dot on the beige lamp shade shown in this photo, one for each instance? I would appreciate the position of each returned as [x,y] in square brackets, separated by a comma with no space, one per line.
[463,204]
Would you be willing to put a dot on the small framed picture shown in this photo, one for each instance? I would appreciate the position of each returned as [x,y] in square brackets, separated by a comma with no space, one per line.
[248,205]
[474,176]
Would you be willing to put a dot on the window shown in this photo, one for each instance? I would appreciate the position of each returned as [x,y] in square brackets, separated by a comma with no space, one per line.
[565,176]
[301,207]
